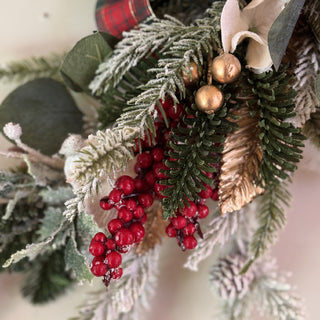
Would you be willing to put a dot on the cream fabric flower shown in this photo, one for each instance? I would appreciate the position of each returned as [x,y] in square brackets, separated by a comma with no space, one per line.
[254,21]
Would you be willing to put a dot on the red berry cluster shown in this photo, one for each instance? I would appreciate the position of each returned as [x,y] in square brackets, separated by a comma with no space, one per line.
[130,201]
[131,196]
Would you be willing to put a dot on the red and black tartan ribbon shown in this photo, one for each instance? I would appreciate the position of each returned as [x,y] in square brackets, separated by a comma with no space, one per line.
[116,16]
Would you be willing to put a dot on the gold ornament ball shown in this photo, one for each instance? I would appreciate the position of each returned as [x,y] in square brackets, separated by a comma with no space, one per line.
[195,74]
[209,99]
[226,68]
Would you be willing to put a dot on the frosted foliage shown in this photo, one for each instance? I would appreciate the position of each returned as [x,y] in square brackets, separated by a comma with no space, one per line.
[219,231]
[306,71]
[127,297]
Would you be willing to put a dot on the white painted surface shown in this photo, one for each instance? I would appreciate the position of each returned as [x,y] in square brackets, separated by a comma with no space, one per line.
[182,294]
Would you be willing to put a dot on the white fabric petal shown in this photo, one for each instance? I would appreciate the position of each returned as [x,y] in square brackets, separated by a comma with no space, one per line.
[231,23]
[258,56]
[238,37]
[260,15]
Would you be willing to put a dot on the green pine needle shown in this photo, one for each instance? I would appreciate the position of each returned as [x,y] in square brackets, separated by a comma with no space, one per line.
[32,68]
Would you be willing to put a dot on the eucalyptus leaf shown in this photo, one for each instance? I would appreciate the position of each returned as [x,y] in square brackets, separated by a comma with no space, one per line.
[282,29]
[81,63]
[77,262]
[46,112]
[56,196]
[317,86]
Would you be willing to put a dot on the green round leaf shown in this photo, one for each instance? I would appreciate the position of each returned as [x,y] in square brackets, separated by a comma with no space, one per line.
[46,112]
[80,64]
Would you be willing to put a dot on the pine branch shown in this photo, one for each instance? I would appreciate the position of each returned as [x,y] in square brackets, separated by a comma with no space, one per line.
[195,148]
[276,298]
[306,69]
[271,218]
[138,44]
[127,294]
[32,68]
[241,159]
[312,128]
[107,152]
[116,98]
[47,278]
[271,95]
[220,229]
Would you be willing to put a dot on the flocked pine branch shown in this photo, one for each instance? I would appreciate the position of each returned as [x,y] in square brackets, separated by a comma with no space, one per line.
[32,68]
[219,231]
[306,69]
[312,128]
[262,289]
[124,297]
[138,44]
[271,218]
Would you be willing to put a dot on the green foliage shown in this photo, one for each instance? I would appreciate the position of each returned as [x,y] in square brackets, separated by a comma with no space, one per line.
[32,68]
[271,217]
[282,29]
[312,128]
[196,144]
[47,278]
[51,114]
[80,64]
[115,99]
[271,95]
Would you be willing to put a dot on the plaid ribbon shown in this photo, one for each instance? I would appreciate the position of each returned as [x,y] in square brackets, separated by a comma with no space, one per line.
[116,16]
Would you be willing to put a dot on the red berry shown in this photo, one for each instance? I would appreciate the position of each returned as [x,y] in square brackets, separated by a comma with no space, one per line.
[96,248]
[190,242]
[206,193]
[171,231]
[110,244]
[158,170]
[144,160]
[215,195]
[116,274]
[190,211]
[105,204]
[179,222]
[167,103]
[100,236]
[113,259]
[140,185]
[145,199]
[158,188]
[149,178]
[209,175]
[138,231]
[130,204]
[175,112]
[126,184]
[138,213]
[189,229]
[158,154]
[114,225]
[98,260]
[125,214]
[203,211]
[99,270]
[124,237]
[115,195]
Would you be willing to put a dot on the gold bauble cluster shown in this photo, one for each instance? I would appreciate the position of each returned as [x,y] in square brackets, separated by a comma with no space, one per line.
[191,75]
[224,69]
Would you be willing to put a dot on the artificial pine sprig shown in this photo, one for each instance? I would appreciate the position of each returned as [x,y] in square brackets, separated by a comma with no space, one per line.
[271,218]
[138,44]
[32,68]
[194,148]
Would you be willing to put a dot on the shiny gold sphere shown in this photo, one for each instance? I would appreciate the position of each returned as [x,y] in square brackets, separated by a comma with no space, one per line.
[226,68]
[191,79]
[209,99]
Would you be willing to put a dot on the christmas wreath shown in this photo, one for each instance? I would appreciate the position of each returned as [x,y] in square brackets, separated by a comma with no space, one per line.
[193,119]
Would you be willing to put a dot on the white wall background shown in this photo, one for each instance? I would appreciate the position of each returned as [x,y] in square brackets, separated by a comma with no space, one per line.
[39,27]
